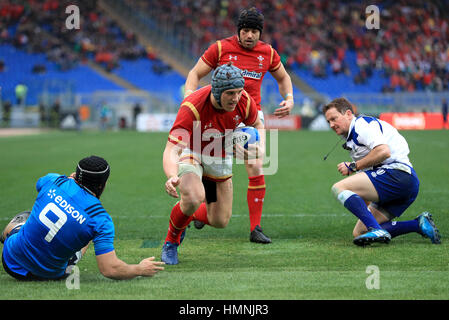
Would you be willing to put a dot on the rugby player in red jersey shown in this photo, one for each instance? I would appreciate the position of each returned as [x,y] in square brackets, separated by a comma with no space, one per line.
[195,160]
[255,58]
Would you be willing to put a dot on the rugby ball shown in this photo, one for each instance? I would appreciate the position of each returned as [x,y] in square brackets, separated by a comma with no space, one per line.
[245,136]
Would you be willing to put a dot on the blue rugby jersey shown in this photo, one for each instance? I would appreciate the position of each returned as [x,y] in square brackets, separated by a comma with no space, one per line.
[64,218]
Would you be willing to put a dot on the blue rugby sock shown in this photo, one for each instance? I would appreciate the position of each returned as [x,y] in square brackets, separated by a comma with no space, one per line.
[396,228]
[357,206]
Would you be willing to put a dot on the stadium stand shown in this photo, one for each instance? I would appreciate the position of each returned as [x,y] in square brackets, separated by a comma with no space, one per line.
[19,69]
[37,50]
[326,42]
[323,44]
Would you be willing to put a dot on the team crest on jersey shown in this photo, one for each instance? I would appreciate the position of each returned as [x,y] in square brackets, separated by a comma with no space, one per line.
[261,59]
[237,120]
[231,57]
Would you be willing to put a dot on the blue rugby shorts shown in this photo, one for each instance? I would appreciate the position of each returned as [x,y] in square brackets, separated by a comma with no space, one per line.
[397,189]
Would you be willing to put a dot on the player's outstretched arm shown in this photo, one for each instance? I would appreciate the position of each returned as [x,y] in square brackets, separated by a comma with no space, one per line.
[286,90]
[112,267]
[170,163]
[199,71]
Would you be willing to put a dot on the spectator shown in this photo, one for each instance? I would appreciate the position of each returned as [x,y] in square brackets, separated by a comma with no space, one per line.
[21,93]
[444,109]
[39,68]
[303,35]
[312,34]
[136,111]
[6,112]
[42,114]
[55,114]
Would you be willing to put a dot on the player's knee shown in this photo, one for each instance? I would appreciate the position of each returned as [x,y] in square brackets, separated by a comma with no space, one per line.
[191,201]
[254,168]
[219,221]
[189,207]
[336,190]
[15,224]
[340,193]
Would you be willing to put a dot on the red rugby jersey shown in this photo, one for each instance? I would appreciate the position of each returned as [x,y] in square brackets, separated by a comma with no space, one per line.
[254,63]
[213,124]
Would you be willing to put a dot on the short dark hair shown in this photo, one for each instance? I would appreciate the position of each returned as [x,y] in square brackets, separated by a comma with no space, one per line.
[92,173]
[341,104]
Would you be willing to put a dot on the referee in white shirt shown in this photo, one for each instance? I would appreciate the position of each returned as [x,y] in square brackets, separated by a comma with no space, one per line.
[380,174]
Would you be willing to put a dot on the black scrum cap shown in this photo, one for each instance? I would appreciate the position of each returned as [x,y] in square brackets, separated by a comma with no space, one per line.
[250,18]
[92,173]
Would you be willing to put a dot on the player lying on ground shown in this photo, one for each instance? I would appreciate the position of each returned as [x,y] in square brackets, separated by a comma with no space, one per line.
[201,172]
[47,242]
[380,173]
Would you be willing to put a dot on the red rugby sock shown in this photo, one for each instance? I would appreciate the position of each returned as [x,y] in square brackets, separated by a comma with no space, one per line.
[201,214]
[178,222]
[255,198]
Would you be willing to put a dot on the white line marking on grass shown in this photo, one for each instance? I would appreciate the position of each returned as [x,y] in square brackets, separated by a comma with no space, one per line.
[272,215]
[275,215]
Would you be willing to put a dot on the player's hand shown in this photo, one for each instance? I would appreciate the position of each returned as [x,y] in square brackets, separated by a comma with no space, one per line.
[149,267]
[253,152]
[285,107]
[170,186]
[343,168]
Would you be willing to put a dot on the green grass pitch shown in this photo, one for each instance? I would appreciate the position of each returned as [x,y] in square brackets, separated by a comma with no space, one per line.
[311,257]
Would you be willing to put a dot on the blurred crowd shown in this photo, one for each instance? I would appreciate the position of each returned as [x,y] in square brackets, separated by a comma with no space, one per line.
[40,27]
[410,48]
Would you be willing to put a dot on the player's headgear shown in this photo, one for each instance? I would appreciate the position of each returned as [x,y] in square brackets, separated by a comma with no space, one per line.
[250,18]
[92,173]
[225,77]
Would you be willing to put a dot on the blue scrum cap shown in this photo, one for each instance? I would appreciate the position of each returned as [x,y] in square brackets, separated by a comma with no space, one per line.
[226,77]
